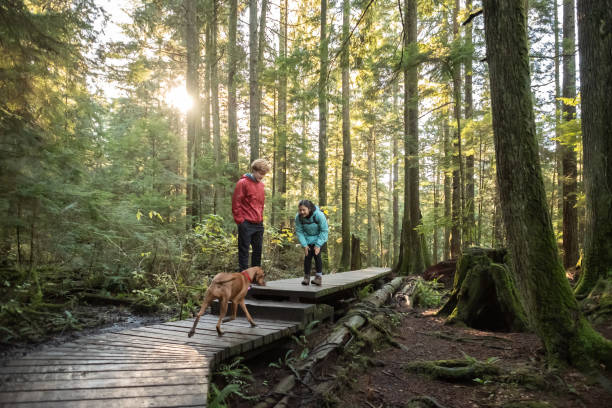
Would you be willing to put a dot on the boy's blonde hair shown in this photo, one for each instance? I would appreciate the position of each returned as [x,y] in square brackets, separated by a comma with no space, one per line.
[261,165]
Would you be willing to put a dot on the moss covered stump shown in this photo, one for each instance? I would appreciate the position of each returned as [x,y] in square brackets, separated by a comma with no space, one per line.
[484,295]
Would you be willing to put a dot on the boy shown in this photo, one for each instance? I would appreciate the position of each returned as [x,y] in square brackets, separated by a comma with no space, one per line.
[247,209]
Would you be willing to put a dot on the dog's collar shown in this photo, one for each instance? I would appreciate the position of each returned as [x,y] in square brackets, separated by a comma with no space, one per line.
[246,274]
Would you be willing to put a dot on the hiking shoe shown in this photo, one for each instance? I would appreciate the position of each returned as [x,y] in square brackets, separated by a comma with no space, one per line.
[317,280]
[306,281]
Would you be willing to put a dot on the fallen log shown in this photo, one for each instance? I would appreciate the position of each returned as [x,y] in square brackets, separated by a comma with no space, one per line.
[353,321]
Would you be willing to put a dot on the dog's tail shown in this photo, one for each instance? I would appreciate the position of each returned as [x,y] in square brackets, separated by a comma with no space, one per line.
[224,282]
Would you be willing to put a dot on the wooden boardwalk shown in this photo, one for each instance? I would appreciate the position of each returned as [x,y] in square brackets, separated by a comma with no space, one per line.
[158,365]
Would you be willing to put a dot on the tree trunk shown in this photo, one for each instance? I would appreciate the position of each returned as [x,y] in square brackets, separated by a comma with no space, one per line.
[447,189]
[396,230]
[323,56]
[214,97]
[435,212]
[568,155]
[369,144]
[411,249]
[548,298]
[192,45]
[457,200]
[355,253]
[379,212]
[232,121]
[469,223]
[596,88]
[253,83]
[556,185]
[345,259]
[281,156]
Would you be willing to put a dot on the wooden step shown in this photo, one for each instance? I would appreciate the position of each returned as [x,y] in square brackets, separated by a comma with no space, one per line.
[303,313]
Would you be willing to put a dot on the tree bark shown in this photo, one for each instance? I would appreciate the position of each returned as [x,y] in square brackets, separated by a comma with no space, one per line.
[568,155]
[232,121]
[411,252]
[457,200]
[253,83]
[469,223]
[370,244]
[214,96]
[281,156]
[345,259]
[323,57]
[484,295]
[548,298]
[192,80]
[395,170]
[596,87]
[447,188]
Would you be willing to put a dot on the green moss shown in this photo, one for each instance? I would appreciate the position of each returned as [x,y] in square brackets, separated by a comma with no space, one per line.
[486,296]
[457,370]
[597,307]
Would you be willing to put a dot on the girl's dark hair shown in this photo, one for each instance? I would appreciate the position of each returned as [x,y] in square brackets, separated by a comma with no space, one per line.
[308,204]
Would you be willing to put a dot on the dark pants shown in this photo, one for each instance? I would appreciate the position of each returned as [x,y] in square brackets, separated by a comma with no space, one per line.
[308,261]
[249,235]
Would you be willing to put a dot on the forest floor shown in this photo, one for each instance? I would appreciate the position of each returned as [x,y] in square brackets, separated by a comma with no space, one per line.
[376,377]
[381,381]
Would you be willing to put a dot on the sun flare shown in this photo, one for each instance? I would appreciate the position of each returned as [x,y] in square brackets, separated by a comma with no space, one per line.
[178,98]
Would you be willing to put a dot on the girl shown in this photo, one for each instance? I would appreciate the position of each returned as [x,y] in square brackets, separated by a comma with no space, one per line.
[311,228]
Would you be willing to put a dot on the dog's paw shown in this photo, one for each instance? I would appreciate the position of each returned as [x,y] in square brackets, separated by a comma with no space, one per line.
[253,325]
[190,334]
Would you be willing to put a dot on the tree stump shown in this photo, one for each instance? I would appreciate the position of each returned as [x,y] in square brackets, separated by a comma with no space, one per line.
[484,294]
[355,253]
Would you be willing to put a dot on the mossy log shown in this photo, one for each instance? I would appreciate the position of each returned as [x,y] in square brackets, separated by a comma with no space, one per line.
[464,370]
[484,294]
[336,339]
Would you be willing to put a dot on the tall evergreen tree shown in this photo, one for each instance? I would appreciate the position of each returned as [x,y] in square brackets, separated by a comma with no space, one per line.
[553,311]
[193,118]
[469,226]
[232,121]
[281,146]
[253,82]
[323,58]
[568,155]
[345,259]
[596,88]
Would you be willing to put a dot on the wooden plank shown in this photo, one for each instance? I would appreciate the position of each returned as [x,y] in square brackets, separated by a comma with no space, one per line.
[146,344]
[101,393]
[261,323]
[230,331]
[103,367]
[66,360]
[183,400]
[103,355]
[7,379]
[106,383]
[118,349]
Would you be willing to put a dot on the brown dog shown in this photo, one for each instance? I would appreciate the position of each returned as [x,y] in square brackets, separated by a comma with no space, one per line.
[230,286]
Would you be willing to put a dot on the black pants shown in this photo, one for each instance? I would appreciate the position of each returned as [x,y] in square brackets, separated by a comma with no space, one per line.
[249,235]
[308,261]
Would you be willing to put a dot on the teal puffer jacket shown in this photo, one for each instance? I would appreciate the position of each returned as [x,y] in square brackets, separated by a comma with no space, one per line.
[313,229]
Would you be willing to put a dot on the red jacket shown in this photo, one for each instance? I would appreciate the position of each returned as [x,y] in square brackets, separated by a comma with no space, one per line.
[248,200]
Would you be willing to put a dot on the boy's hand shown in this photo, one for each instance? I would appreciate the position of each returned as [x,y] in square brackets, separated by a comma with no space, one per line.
[305,250]
[317,250]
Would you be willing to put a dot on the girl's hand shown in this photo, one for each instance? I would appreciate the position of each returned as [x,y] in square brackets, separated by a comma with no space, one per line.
[306,250]
[317,250]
